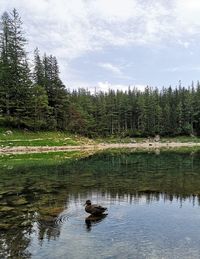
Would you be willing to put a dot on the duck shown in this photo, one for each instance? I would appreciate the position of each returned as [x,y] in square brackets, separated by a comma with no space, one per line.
[94,209]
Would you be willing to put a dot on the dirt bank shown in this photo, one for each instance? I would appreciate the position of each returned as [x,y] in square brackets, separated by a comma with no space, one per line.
[102,146]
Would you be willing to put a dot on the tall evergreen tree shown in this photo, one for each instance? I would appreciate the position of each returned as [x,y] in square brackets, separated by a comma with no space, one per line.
[15,78]
[5,64]
[38,71]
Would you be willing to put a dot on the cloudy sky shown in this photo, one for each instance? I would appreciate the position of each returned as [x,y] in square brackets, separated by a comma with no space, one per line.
[115,43]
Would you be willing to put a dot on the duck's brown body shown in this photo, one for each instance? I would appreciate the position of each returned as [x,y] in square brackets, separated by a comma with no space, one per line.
[94,209]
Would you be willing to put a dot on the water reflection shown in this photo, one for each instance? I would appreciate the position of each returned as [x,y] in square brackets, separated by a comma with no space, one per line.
[41,202]
[93,220]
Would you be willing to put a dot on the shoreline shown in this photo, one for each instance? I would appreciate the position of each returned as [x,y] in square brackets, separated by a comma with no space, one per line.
[95,147]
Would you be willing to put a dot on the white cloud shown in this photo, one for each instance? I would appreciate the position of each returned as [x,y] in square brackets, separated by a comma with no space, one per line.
[73,27]
[70,29]
[187,12]
[140,87]
[105,86]
[112,10]
[116,70]
[112,68]
[182,69]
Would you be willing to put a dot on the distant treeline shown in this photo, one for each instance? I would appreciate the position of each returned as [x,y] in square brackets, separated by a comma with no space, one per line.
[35,98]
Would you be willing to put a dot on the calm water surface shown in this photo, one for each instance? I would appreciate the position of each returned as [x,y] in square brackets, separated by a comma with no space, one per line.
[152,199]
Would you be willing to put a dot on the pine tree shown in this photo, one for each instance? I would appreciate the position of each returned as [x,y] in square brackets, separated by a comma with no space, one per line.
[5,63]
[15,77]
[38,72]
[57,95]
[39,111]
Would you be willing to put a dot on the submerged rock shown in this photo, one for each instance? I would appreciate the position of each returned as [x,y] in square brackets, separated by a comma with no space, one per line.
[6,209]
[5,226]
[20,201]
[52,212]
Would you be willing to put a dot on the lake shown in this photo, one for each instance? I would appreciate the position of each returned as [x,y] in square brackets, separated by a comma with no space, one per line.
[153,201]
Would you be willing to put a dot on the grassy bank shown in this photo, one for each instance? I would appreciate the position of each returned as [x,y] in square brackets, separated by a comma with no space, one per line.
[15,138]
[178,139]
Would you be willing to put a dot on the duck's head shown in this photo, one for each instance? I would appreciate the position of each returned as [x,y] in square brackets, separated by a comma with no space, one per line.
[88,202]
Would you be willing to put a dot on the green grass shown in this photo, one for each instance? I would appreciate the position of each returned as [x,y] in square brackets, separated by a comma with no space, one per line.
[44,138]
[29,138]
[114,139]
[49,158]
[182,139]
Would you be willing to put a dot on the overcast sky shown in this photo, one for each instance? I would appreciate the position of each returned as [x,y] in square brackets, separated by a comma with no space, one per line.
[115,43]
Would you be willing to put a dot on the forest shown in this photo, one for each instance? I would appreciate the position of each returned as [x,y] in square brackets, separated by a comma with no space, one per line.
[35,98]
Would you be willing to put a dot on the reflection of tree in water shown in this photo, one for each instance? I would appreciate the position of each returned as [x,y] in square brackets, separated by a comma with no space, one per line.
[175,175]
[149,197]
[49,224]
[32,194]
[14,236]
[35,205]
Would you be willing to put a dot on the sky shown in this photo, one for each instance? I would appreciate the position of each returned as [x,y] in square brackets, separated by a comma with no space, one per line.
[102,44]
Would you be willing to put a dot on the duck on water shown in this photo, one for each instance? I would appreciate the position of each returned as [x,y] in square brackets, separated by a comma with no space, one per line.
[94,209]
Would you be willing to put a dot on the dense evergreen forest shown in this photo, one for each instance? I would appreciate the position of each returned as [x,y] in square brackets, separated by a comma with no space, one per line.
[35,98]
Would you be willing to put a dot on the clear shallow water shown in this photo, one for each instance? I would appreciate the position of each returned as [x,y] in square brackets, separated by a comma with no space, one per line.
[137,230]
[152,201]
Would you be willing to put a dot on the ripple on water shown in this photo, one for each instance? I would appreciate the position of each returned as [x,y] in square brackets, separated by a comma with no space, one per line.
[61,219]
[69,217]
